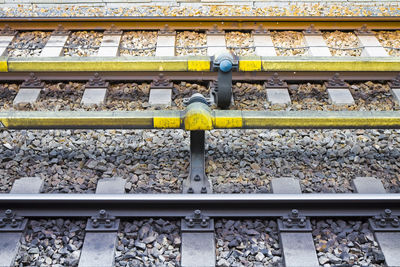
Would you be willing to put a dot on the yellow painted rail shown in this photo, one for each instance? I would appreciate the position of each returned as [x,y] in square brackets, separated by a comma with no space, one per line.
[198,117]
[197,64]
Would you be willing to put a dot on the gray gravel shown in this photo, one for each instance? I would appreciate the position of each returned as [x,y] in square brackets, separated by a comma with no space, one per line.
[236,161]
[73,161]
[55,243]
[346,243]
[148,243]
[247,243]
[83,43]
[323,160]
[28,44]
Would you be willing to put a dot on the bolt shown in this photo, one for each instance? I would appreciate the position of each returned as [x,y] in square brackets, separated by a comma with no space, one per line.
[108,223]
[295,213]
[204,223]
[8,213]
[14,223]
[388,212]
[197,214]
[203,190]
[190,190]
[102,213]
[197,177]
[95,223]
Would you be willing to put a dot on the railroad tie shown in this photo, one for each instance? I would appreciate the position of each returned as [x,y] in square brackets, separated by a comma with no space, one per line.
[264,46]
[216,43]
[110,44]
[297,244]
[10,237]
[100,241]
[29,91]
[277,91]
[5,41]
[388,239]
[338,91]
[316,43]
[95,91]
[371,45]
[166,43]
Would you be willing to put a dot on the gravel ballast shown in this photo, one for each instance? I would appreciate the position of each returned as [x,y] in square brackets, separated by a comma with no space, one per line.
[54,242]
[247,243]
[150,242]
[346,243]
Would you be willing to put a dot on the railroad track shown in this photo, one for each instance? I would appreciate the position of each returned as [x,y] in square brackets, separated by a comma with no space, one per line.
[192,226]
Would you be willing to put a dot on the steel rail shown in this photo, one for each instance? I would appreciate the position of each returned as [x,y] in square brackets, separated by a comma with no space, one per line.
[214,205]
[200,117]
[202,23]
[290,76]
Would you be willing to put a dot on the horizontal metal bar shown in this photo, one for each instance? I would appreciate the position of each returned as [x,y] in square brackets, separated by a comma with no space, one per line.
[215,205]
[204,23]
[289,76]
[217,119]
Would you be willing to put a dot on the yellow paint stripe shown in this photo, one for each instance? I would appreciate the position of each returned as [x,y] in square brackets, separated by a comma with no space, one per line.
[198,117]
[170,120]
[100,65]
[199,65]
[3,64]
[310,64]
[250,65]
[228,119]
[320,122]
[66,122]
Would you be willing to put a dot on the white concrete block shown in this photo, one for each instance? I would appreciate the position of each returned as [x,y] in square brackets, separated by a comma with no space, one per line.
[109,46]
[54,46]
[317,44]
[94,96]
[278,96]
[27,96]
[165,46]
[4,43]
[340,96]
[372,47]
[160,97]
[27,185]
[216,44]
[264,45]
[396,95]
[115,185]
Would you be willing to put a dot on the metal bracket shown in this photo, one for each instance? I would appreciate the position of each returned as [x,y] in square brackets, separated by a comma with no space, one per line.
[112,31]
[8,31]
[10,222]
[261,31]
[275,82]
[197,222]
[96,82]
[294,222]
[60,31]
[364,30]
[336,82]
[222,89]
[385,222]
[32,82]
[312,31]
[161,82]
[102,222]
[395,83]
[166,31]
[215,31]
[197,183]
